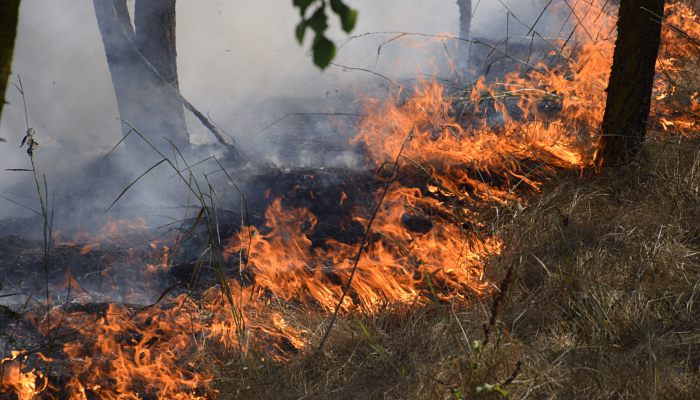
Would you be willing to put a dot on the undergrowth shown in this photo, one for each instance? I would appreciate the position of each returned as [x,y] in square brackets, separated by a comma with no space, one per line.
[603,302]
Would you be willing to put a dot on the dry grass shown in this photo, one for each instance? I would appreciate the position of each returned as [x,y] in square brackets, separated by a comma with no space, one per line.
[604,305]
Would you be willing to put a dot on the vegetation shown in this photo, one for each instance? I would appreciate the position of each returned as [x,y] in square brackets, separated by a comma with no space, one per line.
[323,48]
[592,293]
[603,304]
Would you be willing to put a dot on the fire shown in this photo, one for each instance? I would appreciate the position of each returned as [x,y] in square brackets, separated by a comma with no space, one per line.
[677,104]
[112,232]
[25,383]
[161,253]
[462,157]
[286,265]
[133,353]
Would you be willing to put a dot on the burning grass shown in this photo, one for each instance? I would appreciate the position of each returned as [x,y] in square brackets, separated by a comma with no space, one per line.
[602,273]
[604,304]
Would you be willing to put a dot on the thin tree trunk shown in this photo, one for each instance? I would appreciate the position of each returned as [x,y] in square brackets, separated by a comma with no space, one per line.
[631,81]
[465,17]
[465,23]
[144,95]
[9,11]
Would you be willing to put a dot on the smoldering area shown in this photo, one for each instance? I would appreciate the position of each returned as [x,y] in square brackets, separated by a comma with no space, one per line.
[240,64]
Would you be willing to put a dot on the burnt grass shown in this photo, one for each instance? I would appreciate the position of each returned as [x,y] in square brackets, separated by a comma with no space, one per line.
[106,272]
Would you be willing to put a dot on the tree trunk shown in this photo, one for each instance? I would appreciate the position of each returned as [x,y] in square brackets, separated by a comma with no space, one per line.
[465,17]
[154,23]
[465,23]
[9,11]
[631,81]
[143,69]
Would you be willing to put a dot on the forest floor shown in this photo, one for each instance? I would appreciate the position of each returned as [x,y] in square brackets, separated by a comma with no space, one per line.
[596,295]
[603,301]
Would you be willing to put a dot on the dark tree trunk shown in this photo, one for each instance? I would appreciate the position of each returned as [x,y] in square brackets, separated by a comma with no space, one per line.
[631,81]
[143,69]
[154,25]
[465,23]
[465,17]
[9,11]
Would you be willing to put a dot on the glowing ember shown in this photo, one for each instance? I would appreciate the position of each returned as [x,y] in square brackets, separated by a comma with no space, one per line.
[25,383]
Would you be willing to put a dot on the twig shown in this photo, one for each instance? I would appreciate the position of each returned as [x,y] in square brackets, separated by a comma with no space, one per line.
[365,238]
[393,82]
[20,88]
[695,42]
[313,114]
[513,374]
[20,204]
[448,37]
[497,301]
[12,294]
[45,213]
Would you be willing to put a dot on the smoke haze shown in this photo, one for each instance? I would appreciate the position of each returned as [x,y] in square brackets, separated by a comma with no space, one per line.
[238,62]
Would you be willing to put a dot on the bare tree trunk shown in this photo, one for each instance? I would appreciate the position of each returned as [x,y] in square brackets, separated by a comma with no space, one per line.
[465,23]
[9,11]
[631,81]
[143,69]
[154,25]
[465,17]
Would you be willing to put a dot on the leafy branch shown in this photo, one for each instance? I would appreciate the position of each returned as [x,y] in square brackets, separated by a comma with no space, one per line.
[323,49]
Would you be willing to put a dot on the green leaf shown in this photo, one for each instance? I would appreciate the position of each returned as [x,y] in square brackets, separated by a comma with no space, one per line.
[300,31]
[348,20]
[364,331]
[303,5]
[337,6]
[318,21]
[324,51]
[348,16]
[486,387]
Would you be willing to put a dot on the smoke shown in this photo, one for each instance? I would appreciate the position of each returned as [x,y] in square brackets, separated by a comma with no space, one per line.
[238,62]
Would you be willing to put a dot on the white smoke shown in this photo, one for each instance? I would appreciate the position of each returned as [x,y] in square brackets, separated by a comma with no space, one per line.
[238,62]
